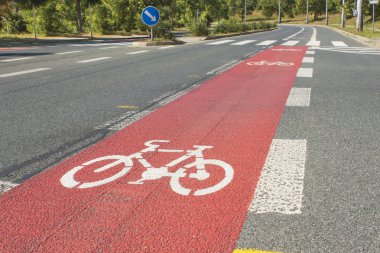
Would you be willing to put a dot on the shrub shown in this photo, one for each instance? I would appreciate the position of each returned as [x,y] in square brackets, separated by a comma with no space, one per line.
[162,30]
[17,23]
[229,26]
[199,28]
[254,26]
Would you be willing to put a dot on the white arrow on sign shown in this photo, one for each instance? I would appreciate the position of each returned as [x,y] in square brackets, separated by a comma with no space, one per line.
[152,18]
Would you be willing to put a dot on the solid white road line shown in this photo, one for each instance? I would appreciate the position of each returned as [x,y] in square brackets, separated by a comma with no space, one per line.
[339,44]
[313,43]
[17,59]
[291,43]
[310,52]
[308,60]
[139,52]
[6,186]
[223,68]
[266,43]
[241,43]
[280,188]
[95,59]
[70,52]
[297,33]
[314,35]
[165,47]
[305,72]
[23,72]
[299,97]
[220,42]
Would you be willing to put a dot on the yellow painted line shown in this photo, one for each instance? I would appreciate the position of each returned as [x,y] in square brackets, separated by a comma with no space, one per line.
[131,107]
[252,251]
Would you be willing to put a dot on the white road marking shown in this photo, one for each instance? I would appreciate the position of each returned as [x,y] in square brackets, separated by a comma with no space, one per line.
[166,47]
[266,43]
[139,52]
[305,72]
[95,59]
[291,43]
[241,43]
[109,47]
[280,188]
[350,50]
[220,42]
[313,43]
[24,72]
[6,186]
[308,60]
[314,35]
[70,52]
[223,68]
[297,33]
[17,59]
[310,52]
[299,97]
[339,44]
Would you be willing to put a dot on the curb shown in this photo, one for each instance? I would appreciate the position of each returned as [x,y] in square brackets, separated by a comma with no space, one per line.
[237,34]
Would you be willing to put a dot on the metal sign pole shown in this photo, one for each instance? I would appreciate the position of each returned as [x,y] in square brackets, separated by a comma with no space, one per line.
[151,33]
[373,18]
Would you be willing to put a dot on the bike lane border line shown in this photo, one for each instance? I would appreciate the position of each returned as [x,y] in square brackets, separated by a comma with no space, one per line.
[237,113]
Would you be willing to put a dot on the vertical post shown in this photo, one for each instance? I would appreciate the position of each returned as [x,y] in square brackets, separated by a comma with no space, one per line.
[279,11]
[307,11]
[373,18]
[327,12]
[245,11]
[151,33]
[91,22]
[342,18]
[34,23]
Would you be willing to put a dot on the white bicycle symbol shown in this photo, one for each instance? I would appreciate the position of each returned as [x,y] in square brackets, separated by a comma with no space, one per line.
[152,173]
[279,63]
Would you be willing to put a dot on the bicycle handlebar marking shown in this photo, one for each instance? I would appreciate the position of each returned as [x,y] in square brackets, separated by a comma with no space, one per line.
[151,173]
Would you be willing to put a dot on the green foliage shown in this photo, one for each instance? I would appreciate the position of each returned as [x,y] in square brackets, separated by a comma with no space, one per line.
[16,23]
[162,30]
[231,26]
[199,28]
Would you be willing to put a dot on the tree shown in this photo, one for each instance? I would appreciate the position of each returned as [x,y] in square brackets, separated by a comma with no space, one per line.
[359,18]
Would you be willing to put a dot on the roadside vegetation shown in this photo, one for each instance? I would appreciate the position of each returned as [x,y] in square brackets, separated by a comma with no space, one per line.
[75,18]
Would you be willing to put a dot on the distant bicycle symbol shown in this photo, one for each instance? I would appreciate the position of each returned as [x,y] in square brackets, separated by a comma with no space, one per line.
[152,173]
[262,63]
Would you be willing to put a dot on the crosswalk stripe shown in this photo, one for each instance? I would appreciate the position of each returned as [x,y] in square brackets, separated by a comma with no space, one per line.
[313,43]
[95,59]
[339,44]
[244,42]
[291,43]
[17,59]
[280,188]
[266,42]
[220,42]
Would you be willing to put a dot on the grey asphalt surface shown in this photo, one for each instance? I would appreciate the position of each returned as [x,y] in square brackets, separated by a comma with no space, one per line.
[50,115]
[342,180]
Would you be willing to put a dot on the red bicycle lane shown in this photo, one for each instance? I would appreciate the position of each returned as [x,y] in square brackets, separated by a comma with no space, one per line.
[235,114]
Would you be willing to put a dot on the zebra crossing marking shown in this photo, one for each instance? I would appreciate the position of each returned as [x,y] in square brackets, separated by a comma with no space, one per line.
[244,42]
[290,43]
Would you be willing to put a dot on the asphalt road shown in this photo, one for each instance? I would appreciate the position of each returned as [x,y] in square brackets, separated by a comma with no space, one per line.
[71,103]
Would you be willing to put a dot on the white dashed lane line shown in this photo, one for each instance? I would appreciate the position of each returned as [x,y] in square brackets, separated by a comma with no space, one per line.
[305,72]
[23,72]
[299,97]
[95,59]
[138,52]
[166,47]
[308,60]
[69,52]
[280,187]
[17,59]
[109,47]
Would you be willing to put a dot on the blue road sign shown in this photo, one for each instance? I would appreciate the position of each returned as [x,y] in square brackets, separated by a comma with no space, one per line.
[150,16]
